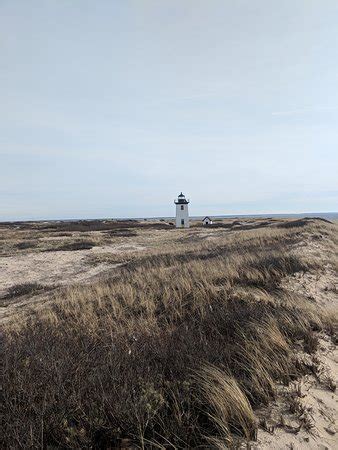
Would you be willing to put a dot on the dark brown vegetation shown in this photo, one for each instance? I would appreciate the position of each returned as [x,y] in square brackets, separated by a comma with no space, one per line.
[23,289]
[71,246]
[175,351]
[26,244]
[121,232]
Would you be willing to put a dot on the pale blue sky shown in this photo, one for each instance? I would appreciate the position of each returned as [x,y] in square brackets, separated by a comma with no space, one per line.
[111,108]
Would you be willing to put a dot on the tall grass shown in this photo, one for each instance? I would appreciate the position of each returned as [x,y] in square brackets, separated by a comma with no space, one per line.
[227,407]
[174,351]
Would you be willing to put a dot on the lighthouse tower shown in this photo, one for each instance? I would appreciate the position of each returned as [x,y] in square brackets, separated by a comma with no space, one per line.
[182,213]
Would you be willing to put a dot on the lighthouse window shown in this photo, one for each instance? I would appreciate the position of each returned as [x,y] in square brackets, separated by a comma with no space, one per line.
[182,221]
[182,207]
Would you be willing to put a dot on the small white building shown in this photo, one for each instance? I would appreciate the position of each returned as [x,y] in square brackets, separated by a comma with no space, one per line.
[182,213]
[207,221]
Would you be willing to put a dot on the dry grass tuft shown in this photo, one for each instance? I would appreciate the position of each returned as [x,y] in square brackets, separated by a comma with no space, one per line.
[226,406]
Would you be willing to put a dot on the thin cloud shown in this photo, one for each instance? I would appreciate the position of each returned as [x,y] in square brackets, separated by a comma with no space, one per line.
[304,111]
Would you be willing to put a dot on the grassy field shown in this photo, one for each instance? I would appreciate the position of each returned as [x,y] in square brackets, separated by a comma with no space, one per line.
[175,347]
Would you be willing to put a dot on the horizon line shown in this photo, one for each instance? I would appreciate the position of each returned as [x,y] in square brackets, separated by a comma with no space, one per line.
[168,217]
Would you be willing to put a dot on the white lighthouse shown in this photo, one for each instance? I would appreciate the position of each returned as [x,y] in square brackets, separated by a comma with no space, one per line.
[182,213]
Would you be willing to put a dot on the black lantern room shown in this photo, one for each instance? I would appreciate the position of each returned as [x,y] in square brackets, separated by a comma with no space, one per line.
[181,200]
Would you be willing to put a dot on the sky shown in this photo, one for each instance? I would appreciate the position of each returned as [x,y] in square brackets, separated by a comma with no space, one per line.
[111,108]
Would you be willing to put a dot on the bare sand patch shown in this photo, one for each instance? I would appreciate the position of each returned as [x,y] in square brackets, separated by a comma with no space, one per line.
[55,268]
